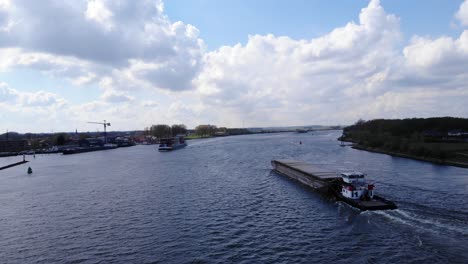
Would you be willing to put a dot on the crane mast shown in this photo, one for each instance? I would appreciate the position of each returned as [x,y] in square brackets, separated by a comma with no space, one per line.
[106,124]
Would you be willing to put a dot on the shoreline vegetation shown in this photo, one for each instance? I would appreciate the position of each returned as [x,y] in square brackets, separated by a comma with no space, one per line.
[442,140]
[14,143]
[210,131]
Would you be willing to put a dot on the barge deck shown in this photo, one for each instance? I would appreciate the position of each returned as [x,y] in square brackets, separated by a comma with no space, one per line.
[315,177]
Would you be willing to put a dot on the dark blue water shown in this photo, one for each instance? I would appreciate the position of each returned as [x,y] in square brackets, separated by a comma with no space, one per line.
[218,201]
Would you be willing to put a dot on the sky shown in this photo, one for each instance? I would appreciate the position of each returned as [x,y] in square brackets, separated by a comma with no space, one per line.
[229,63]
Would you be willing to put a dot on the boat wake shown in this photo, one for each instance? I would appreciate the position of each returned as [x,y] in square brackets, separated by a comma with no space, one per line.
[424,223]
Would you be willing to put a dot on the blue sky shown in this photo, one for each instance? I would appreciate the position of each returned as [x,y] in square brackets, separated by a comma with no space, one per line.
[229,63]
[230,22]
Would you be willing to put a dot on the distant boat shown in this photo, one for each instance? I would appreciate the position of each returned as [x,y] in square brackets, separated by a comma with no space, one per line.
[301,130]
[342,144]
[168,144]
[77,150]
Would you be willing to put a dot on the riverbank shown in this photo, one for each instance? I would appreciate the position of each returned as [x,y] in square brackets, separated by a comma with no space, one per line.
[409,156]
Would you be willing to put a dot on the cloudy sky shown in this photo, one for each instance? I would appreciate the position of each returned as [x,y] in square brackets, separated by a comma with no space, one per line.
[229,63]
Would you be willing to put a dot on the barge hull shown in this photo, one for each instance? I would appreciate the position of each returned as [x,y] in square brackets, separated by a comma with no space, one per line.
[311,176]
[377,203]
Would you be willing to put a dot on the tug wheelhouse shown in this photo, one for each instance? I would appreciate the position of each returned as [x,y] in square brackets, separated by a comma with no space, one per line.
[355,186]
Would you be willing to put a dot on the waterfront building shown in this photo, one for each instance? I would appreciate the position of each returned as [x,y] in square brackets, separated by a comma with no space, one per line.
[13,145]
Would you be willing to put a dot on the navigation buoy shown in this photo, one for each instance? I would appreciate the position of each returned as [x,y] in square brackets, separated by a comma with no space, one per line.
[29,170]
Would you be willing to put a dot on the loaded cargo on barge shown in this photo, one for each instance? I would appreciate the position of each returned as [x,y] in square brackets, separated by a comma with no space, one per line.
[350,188]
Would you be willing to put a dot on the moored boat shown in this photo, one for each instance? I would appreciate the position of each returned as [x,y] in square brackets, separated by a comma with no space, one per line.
[77,150]
[168,144]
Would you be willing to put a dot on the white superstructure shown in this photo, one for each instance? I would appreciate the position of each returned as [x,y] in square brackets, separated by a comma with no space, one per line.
[355,186]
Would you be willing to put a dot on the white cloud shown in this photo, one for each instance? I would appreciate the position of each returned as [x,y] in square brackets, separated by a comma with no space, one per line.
[151,70]
[6,93]
[97,11]
[18,104]
[426,53]
[41,99]
[149,103]
[84,79]
[462,13]
[290,77]
[17,99]
[116,97]
[102,37]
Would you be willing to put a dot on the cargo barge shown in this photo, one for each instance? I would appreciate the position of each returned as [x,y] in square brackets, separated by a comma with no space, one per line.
[169,144]
[350,188]
[77,150]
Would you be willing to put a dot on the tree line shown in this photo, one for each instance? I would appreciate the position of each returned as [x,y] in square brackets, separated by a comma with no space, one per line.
[425,137]
[407,127]
[164,131]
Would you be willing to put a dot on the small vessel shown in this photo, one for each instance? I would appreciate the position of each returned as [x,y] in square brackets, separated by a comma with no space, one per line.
[342,144]
[350,187]
[301,130]
[353,189]
[76,150]
[168,144]
[29,170]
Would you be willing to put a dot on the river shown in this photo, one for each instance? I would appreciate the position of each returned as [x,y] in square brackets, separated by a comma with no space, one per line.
[218,201]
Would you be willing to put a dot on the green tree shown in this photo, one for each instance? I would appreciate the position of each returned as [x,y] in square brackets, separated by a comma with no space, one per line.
[178,129]
[161,131]
[205,130]
[84,136]
[60,139]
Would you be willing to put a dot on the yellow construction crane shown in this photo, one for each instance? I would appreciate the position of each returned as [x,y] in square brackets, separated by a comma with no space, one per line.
[105,125]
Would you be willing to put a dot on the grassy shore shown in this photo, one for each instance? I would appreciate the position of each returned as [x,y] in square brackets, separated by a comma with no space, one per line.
[458,162]
[439,140]
[196,137]
[448,153]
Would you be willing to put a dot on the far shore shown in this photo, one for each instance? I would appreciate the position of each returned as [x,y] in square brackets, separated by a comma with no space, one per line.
[409,156]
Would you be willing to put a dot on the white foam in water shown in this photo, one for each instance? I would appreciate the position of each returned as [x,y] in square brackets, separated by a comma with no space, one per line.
[393,218]
[420,223]
[434,223]
[419,240]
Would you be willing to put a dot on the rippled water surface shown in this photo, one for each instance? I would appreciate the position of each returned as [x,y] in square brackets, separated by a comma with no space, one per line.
[218,201]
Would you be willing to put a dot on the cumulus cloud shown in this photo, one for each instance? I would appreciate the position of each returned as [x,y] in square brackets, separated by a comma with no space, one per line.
[41,99]
[114,36]
[354,71]
[6,93]
[445,51]
[149,103]
[290,77]
[97,11]
[116,97]
[149,69]
[434,63]
[462,13]
[17,99]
